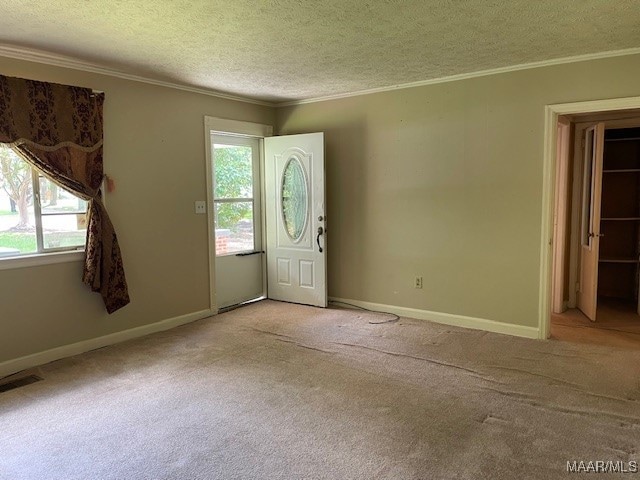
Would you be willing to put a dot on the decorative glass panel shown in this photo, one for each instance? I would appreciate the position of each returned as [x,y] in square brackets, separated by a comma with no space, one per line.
[294,199]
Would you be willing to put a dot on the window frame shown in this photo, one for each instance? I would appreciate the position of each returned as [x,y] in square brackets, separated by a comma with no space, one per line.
[239,141]
[38,259]
[43,255]
[224,126]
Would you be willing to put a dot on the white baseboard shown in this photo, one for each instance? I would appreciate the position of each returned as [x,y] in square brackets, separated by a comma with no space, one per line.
[29,361]
[448,318]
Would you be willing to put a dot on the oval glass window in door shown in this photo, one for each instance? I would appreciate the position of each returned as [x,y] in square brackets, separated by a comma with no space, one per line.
[294,199]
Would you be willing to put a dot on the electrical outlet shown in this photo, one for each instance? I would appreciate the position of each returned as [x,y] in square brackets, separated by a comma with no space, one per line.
[201,207]
[418,282]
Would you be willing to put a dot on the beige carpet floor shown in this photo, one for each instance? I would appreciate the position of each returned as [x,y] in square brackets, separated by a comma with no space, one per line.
[279,391]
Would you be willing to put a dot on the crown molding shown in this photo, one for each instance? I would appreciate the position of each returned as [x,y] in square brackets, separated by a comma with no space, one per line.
[466,76]
[46,58]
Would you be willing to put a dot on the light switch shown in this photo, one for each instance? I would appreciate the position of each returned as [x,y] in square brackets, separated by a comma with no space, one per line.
[201,207]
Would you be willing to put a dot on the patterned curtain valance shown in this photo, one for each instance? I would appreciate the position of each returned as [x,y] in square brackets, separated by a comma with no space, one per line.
[58,129]
[49,116]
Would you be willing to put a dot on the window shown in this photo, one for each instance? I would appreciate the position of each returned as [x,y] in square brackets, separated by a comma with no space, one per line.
[36,215]
[235,171]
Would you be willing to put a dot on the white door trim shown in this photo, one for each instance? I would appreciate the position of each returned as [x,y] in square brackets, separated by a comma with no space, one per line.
[229,127]
[560,215]
[551,113]
[237,127]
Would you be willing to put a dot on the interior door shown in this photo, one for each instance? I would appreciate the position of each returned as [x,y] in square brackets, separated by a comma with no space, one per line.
[590,224]
[295,219]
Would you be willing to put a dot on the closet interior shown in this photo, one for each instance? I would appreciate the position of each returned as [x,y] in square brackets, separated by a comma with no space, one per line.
[619,259]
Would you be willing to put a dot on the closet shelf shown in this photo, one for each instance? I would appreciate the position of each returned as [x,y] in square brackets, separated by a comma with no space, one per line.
[619,260]
[619,255]
[626,139]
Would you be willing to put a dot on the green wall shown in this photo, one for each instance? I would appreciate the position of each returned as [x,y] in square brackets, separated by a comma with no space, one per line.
[445,181]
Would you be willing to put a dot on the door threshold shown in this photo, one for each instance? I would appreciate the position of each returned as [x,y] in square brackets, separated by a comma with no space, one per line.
[241,304]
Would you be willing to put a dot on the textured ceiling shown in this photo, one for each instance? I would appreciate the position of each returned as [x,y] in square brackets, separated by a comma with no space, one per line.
[279,50]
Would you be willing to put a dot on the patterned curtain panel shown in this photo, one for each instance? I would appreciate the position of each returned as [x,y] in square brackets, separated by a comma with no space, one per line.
[58,129]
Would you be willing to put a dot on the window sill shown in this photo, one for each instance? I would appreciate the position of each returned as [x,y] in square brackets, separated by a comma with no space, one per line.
[38,259]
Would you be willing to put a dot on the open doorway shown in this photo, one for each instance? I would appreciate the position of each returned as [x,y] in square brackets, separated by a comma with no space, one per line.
[266,215]
[235,217]
[595,243]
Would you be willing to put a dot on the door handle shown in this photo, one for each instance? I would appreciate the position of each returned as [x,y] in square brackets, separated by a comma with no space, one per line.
[320,232]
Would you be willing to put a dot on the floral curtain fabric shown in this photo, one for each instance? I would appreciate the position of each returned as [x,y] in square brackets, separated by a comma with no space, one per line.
[58,129]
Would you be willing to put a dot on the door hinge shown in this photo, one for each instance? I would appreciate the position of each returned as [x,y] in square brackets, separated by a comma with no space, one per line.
[577,286]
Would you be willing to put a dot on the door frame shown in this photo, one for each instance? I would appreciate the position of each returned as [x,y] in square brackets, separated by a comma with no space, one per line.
[560,214]
[224,126]
[551,114]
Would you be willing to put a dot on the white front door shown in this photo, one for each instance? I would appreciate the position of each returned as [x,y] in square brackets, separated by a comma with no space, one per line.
[295,219]
[590,222]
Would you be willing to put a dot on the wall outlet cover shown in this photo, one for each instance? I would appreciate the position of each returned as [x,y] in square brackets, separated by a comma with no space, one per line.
[201,207]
